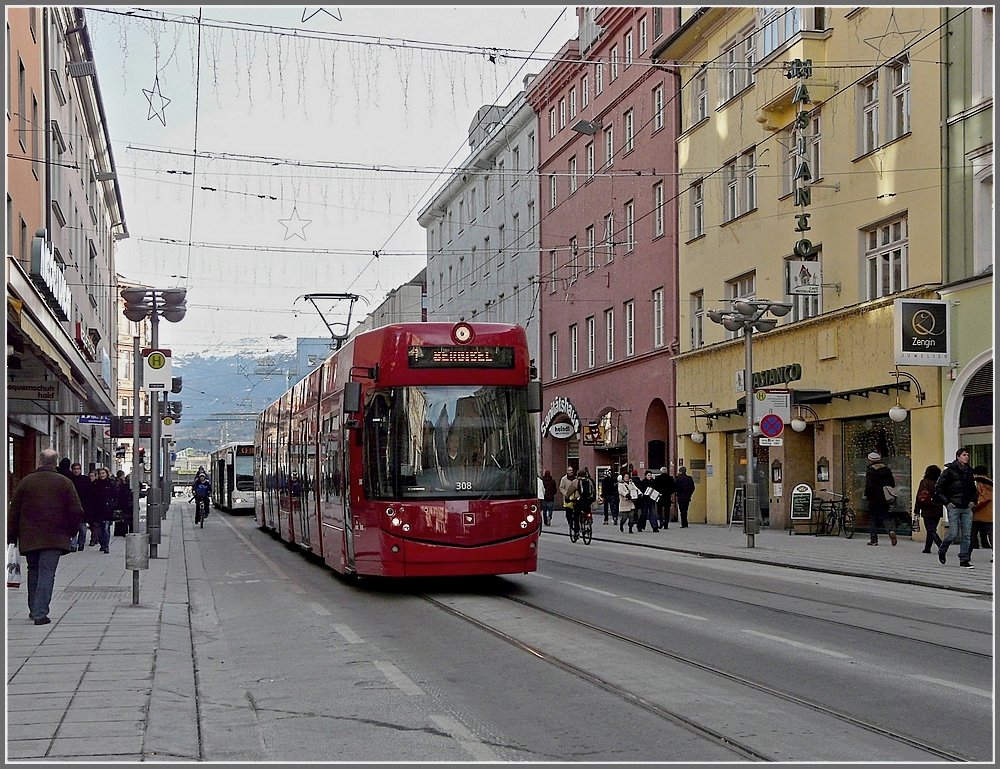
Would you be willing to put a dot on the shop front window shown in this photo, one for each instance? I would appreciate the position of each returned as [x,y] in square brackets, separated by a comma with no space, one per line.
[892,441]
[737,472]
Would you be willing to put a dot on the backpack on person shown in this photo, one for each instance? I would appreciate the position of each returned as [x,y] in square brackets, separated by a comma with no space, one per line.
[585,488]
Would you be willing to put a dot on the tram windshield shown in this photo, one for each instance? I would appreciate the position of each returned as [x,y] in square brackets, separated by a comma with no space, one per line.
[449,442]
[244,473]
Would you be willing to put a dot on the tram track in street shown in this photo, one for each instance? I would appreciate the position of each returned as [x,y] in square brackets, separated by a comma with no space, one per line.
[737,746]
[839,623]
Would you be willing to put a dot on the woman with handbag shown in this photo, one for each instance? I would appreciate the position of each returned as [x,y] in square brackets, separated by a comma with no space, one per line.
[928,508]
[878,477]
[626,507]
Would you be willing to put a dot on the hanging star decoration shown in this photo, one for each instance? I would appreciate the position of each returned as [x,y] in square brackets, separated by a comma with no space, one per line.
[312,10]
[162,100]
[294,225]
[892,39]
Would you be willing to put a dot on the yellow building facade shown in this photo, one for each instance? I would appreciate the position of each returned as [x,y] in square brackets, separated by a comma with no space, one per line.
[809,156]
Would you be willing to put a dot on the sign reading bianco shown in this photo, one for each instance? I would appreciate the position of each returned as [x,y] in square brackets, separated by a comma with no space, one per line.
[921,331]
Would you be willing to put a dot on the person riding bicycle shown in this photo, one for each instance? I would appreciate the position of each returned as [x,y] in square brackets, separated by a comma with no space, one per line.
[202,489]
[586,494]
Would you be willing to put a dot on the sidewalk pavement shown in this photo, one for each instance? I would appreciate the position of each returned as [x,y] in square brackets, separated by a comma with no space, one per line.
[112,678]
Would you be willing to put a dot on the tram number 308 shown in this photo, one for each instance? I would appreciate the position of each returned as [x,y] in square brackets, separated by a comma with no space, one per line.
[463,486]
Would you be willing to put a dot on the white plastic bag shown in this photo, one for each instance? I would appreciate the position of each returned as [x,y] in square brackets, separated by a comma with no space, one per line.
[13,566]
[944,517]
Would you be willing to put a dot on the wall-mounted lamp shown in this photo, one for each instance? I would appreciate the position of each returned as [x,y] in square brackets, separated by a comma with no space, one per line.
[897,413]
[799,424]
[698,436]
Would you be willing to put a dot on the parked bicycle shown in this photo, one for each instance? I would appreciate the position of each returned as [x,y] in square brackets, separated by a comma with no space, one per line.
[838,516]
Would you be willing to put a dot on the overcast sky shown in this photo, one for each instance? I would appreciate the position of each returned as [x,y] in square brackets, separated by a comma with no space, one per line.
[291,110]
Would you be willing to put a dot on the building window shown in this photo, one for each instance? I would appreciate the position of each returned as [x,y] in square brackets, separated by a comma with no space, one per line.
[562,113]
[658,317]
[572,175]
[629,49]
[572,102]
[590,160]
[486,192]
[609,331]
[609,236]
[574,260]
[699,96]
[748,168]
[899,108]
[730,181]
[515,161]
[657,209]
[461,215]
[609,146]
[629,226]
[552,123]
[591,249]
[553,191]
[515,226]
[629,308]
[740,183]
[554,354]
[982,211]
[574,351]
[599,78]
[697,209]
[585,90]
[657,108]
[804,305]
[697,319]
[777,26]
[591,342]
[553,271]
[657,22]
[531,221]
[501,179]
[473,267]
[614,63]
[643,36]
[487,257]
[531,151]
[22,106]
[885,255]
[472,204]
[629,131]
[738,63]
[868,98]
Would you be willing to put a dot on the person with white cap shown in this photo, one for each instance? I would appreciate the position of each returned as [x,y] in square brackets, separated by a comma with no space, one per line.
[877,477]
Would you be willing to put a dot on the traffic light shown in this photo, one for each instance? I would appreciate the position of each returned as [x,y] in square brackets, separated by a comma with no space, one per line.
[175,384]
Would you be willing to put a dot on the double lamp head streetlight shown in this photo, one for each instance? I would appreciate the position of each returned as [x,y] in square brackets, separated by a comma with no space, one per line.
[749,315]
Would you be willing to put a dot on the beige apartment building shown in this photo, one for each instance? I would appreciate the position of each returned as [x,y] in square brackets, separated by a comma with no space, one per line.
[810,161]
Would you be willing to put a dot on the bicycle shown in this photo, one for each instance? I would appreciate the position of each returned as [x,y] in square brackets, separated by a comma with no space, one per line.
[583,526]
[199,516]
[840,516]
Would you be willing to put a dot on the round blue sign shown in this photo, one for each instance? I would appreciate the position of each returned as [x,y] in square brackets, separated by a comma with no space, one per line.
[771,426]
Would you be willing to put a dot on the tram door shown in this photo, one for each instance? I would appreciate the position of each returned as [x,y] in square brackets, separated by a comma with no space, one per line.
[345,442]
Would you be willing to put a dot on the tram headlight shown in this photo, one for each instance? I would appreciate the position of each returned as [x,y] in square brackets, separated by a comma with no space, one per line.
[390,512]
[530,519]
[396,522]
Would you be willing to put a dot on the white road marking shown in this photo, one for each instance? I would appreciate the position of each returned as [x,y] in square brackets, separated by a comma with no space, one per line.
[317,609]
[797,645]
[293,586]
[667,611]
[469,742]
[591,589]
[961,687]
[349,635]
[398,677]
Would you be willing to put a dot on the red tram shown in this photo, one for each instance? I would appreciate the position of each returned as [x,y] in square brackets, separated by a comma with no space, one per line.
[409,452]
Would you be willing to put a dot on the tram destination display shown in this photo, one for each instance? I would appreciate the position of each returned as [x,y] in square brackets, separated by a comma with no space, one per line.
[466,356]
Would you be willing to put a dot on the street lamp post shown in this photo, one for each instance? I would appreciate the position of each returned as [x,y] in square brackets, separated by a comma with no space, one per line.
[142,302]
[748,315]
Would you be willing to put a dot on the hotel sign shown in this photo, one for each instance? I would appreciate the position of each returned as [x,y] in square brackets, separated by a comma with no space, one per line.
[921,331]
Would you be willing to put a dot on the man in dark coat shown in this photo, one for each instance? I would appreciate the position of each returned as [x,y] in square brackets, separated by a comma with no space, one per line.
[684,488]
[664,483]
[82,483]
[44,512]
[956,487]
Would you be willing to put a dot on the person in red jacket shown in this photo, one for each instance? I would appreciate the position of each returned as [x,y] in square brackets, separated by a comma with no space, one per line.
[44,513]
